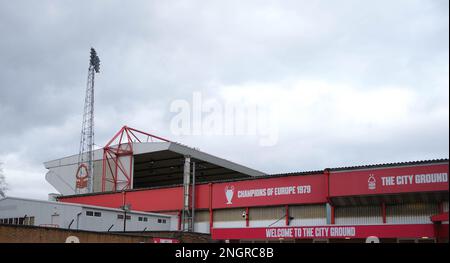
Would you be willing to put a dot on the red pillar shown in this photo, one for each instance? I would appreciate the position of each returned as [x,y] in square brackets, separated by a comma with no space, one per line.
[332,215]
[437,225]
[383,212]
[211,218]
[179,220]
[287,215]
[441,207]
[247,219]
[326,172]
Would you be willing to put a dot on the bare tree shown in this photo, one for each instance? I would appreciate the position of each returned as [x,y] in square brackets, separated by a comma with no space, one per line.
[3,184]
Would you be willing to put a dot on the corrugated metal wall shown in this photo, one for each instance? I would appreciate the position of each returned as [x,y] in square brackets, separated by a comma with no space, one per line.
[414,213]
[308,215]
[229,218]
[303,215]
[201,224]
[265,216]
[357,215]
[445,206]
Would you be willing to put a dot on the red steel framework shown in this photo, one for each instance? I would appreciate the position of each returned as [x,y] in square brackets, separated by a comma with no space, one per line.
[121,145]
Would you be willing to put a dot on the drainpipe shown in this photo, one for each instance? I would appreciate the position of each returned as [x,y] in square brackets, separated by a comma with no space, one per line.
[330,215]
[78,219]
[179,220]
[211,218]
[70,224]
[186,215]
[286,208]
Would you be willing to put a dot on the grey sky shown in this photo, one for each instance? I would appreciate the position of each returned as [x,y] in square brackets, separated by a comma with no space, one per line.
[354,82]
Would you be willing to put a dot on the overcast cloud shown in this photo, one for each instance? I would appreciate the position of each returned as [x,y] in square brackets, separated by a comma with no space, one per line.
[351,82]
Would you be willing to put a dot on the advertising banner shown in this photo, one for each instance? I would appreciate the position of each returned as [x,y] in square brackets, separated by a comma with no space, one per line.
[329,231]
[274,191]
[424,178]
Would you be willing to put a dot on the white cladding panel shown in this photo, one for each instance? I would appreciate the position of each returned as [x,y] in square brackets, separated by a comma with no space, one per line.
[414,213]
[229,218]
[110,219]
[267,216]
[202,227]
[61,174]
[97,179]
[125,162]
[308,215]
[358,215]
[63,177]
[174,223]
[201,224]
[82,217]
[445,206]
[43,213]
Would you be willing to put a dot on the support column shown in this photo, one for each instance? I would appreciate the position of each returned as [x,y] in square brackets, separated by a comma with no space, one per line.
[441,207]
[247,219]
[330,213]
[193,197]
[329,205]
[179,219]
[287,215]
[438,225]
[186,216]
[383,212]
[211,215]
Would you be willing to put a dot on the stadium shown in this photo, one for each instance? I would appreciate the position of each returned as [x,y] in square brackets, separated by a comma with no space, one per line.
[394,202]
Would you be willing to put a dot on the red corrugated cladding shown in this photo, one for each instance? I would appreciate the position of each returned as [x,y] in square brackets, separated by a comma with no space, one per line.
[302,189]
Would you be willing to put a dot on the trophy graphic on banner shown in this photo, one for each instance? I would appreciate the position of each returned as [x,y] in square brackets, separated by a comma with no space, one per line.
[229,192]
[372,182]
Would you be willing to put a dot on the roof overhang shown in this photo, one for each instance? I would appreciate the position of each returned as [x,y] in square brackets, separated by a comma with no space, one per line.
[363,200]
[162,164]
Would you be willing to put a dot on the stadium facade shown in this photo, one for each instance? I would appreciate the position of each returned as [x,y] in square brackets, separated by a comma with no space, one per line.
[395,202]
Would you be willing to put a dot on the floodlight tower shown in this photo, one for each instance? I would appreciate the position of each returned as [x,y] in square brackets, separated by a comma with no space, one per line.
[84,174]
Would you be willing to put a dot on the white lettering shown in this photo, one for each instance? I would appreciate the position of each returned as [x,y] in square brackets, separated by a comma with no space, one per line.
[252,193]
[280,233]
[431,178]
[342,231]
[389,180]
[285,190]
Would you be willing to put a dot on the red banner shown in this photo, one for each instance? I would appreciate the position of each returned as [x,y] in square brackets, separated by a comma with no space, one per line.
[329,231]
[274,191]
[423,178]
